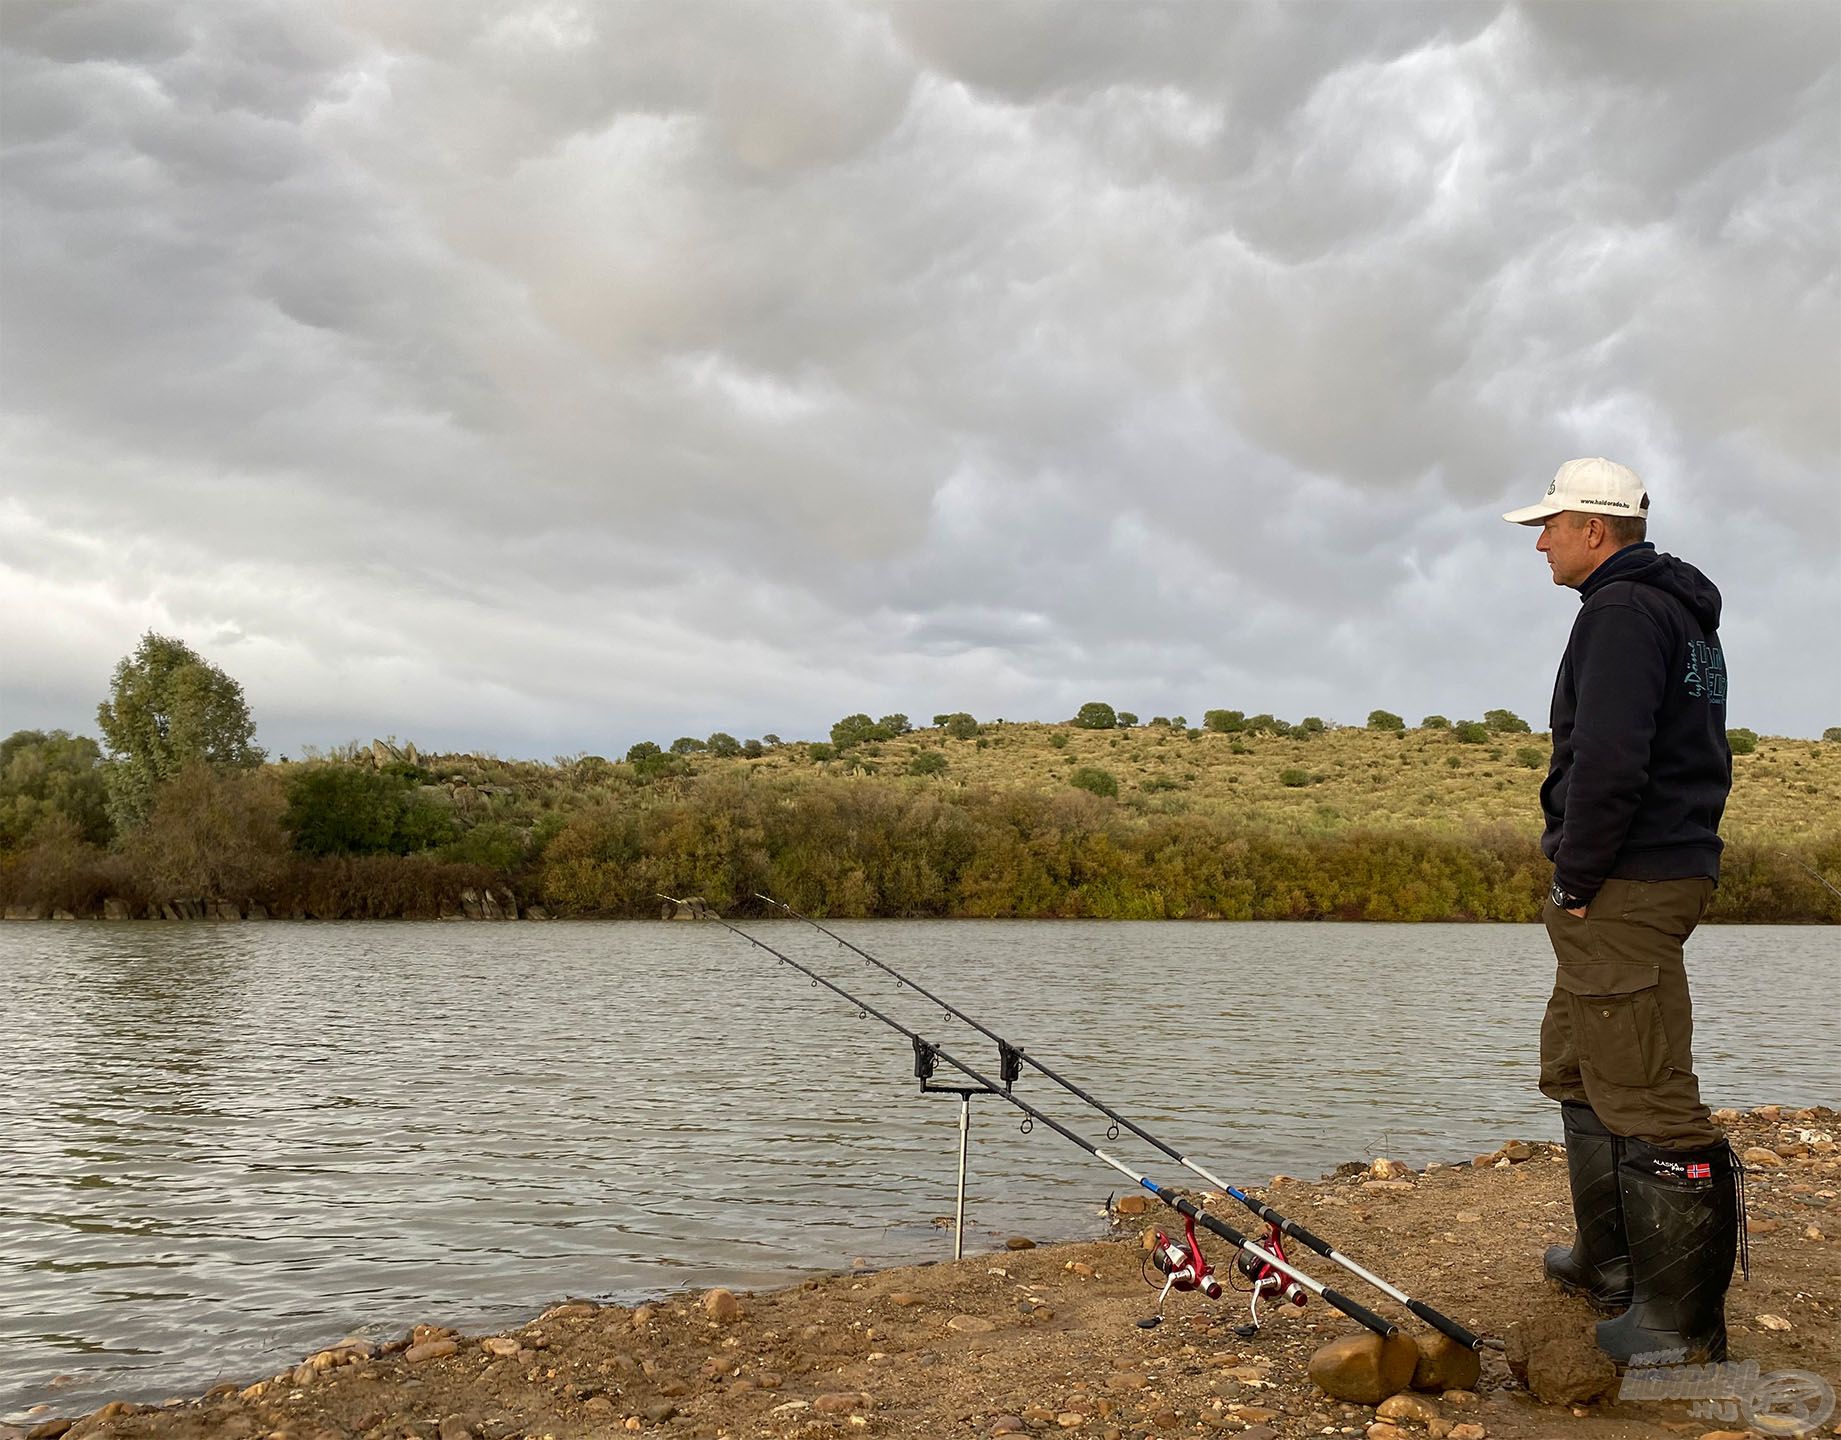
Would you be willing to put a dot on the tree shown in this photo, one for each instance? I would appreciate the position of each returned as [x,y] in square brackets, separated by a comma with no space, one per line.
[1742,741]
[927,762]
[855,730]
[1127,719]
[1312,725]
[1505,722]
[724,745]
[1385,720]
[753,749]
[1831,734]
[1470,732]
[346,810]
[1224,722]
[169,708]
[1096,715]
[212,833]
[687,745]
[896,724]
[1435,722]
[961,726]
[46,775]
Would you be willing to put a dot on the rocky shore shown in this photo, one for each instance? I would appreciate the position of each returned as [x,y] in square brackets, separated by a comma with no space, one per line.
[1043,1339]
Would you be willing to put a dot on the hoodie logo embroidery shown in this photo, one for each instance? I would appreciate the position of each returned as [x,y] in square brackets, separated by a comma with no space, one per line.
[1706,673]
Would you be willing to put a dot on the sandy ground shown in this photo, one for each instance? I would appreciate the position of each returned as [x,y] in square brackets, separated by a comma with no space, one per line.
[1044,1339]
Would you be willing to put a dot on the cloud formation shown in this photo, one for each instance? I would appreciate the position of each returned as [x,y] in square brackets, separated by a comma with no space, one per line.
[542,377]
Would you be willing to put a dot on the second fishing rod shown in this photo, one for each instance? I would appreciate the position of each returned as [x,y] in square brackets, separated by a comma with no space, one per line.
[1015,1054]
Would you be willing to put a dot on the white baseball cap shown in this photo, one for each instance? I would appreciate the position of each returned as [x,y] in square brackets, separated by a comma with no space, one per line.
[1597,487]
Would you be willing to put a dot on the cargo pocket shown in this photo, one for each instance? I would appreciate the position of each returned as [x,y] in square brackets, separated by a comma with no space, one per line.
[1617,1020]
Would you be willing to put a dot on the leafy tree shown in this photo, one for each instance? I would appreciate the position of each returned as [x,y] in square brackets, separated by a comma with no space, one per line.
[1312,725]
[770,741]
[1385,720]
[939,721]
[753,749]
[1178,722]
[1224,722]
[724,745]
[1832,733]
[1265,724]
[650,763]
[1163,720]
[1127,719]
[1097,715]
[1099,782]
[855,730]
[45,775]
[213,834]
[928,762]
[1505,722]
[896,724]
[1743,741]
[643,751]
[1435,722]
[1470,732]
[169,708]
[687,745]
[349,810]
[961,726]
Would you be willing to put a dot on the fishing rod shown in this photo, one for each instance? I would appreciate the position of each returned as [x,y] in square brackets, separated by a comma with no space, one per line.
[1015,1053]
[1809,869]
[925,1052]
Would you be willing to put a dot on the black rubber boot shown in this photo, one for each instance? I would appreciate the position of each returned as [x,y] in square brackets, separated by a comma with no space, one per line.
[1597,1264]
[1683,1213]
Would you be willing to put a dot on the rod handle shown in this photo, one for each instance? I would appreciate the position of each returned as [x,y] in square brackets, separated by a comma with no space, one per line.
[1445,1324]
[1360,1313]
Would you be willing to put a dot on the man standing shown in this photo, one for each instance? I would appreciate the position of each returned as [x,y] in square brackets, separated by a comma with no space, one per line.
[1639,777]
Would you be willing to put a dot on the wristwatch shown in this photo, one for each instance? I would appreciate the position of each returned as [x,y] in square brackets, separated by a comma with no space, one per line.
[1565,898]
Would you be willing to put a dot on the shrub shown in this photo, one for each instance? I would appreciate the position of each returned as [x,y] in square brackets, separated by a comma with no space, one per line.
[43,776]
[1385,720]
[1435,722]
[753,749]
[1178,722]
[1743,741]
[649,762]
[928,762]
[1471,732]
[494,843]
[724,745]
[1265,724]
[820,751]
[961,726]
[1294,779]
[1312,725]
[1154,784]
[1505,722]
[1832,733]
[1096,715]
[896,724]
[343,810]
[1126,718]
[772,742]
[215,834]
[1095,781]
[1530,757]
[1454,762]
[1059,739]
[1163,720]
[1224,722]
[687,745]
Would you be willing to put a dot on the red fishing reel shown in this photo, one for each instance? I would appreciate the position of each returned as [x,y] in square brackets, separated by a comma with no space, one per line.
[1267,1280]
[1183,1267]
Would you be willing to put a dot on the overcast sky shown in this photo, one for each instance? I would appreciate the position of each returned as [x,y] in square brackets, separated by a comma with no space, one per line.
[544,377]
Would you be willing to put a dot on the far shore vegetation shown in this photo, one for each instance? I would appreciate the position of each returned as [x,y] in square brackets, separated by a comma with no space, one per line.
[1103,815]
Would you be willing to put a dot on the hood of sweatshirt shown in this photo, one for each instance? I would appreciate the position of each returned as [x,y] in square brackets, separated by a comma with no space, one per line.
[1643,564]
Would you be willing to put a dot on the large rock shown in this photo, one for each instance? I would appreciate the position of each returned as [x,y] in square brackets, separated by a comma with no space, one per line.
[722,1306]
[26,912]
[114,908]
[1558,1359]
[1444,1364]
[1364,1368]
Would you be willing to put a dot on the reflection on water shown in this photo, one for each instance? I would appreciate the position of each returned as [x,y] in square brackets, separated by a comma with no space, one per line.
[225,1145]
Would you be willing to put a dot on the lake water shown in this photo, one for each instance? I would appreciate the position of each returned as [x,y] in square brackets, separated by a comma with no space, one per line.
[222,1145]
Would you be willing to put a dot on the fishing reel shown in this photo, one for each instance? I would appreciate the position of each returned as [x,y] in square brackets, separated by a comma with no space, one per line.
[1266,1281]
[1183,1267]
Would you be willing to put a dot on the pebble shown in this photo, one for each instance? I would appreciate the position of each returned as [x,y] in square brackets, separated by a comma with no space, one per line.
[455,1427]
[722,1306]
[970,1325]
[1132,1204]
[905,1299]
[1019,1242]
[501,1345]
[1385,1185]
[1774,1322]
[1068,1419]
[1124,1381]
[1726,1115]
[1772,1113]
[1008,1425]
[1385,1169]
[1517,1151]
[1760,1158]
[1381,1430]
[1725,1435]
[842,1402]
[1080,1267]
[1469,1430]
[1468,1217]
[1407,1407]
[430,1350]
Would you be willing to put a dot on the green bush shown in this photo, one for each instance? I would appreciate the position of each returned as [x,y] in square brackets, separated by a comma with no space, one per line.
[1127,718]
[1832,733]
[1178,722]
[687,745]
[1224,722]
[753,749]
[1435,722]
[44,776]
[1294,779]
[1505,722]
[650,763]
[819,751]
[1094,780]
[1385,720]
[1163,720]
[1312,725]
[892,725]
[1059,739]
[961,726]
[927,762]
[1743,741]
[347,810]
[856,730]
[1096,715]
[1471,732]
[1155,784]
[1531,757]
[723,745]
[494,843]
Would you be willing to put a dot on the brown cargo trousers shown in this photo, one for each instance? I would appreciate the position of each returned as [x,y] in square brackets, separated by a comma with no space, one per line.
[1618,1034]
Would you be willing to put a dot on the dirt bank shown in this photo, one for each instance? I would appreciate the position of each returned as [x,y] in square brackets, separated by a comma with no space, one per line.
[1044,1339]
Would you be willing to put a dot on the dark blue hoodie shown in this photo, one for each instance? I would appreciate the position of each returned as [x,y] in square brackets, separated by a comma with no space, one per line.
[1641,766]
